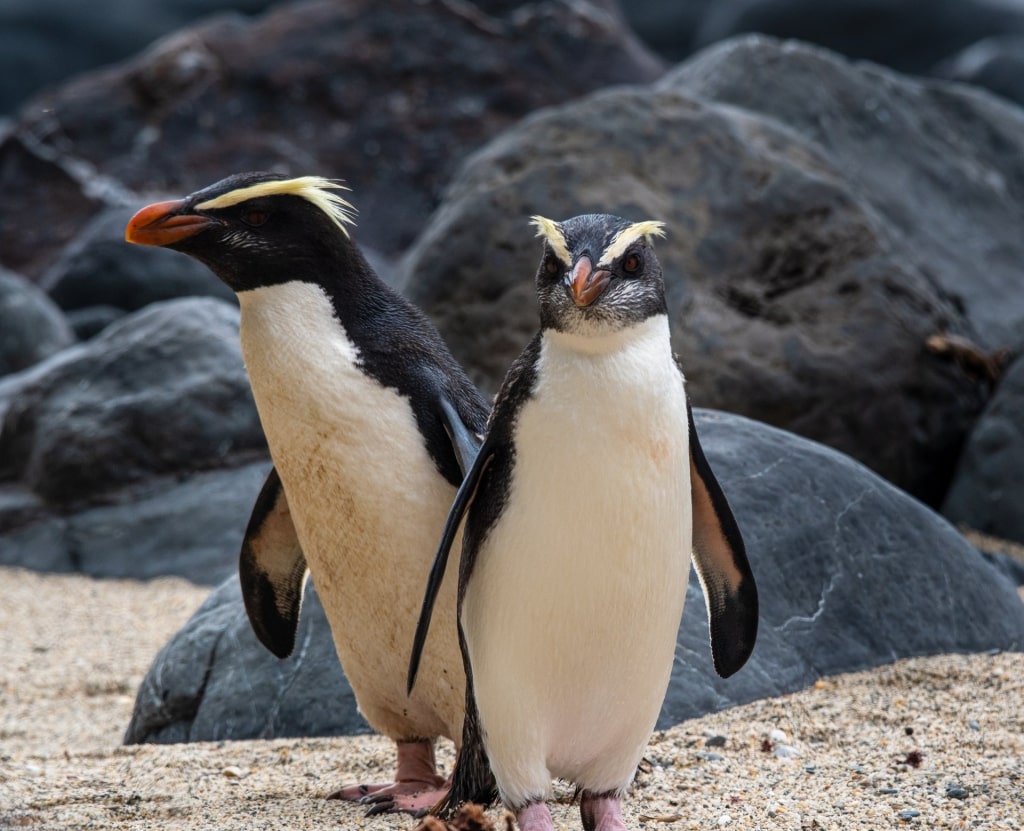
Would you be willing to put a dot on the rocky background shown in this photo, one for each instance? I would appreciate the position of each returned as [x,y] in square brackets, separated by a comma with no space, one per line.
[844,267]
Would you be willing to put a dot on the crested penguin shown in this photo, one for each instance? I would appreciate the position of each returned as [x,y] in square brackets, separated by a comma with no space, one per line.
[580,513]
[371,424]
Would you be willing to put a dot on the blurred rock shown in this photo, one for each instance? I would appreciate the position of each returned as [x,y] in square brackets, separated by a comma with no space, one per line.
[817,237]
[31,326]
[188,527]
[987,492]
[996,63]
[43,42]
[160,392]
[98,268]
[389,95]
[907,35]
[852,574]
[668,28]
[89,321]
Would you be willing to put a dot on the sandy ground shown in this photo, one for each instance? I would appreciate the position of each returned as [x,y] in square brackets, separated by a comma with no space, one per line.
[929,743]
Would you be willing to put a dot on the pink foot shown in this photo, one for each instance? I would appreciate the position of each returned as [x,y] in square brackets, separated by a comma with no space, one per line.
[601,812]
[416,789]
[535,816]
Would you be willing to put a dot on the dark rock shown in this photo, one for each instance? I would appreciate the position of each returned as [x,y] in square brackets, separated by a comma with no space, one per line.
[852,573]
[907,35]
[668,28]
[941,164]
[89,321]
[818,236]
[163,391]
[214,681]
[100,268]
[31,326]
[191,529]
[987,492]
[44,41]
[996,63]
[389,95]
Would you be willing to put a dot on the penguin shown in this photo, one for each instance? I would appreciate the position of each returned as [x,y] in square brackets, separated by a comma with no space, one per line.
[580,513]
[371,424]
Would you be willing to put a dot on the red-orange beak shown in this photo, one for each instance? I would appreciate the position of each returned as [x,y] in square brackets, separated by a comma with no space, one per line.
[162,224]
[587,284]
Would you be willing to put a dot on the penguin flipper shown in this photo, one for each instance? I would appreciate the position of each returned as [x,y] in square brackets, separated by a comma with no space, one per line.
[720,558]
[463,499]
[465,442]
[272,569]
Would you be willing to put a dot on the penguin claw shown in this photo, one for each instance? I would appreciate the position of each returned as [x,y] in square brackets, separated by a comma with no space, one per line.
[384,805]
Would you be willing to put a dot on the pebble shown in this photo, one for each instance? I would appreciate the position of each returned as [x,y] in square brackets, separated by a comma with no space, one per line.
[973,724]
[954,791]
[725,819]
[908,815]
[234,772]
[778,736]
[785,751]
[709,757]
[888,790]
[714,741]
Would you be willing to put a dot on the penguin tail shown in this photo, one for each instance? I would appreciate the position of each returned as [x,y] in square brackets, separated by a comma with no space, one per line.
[472,778]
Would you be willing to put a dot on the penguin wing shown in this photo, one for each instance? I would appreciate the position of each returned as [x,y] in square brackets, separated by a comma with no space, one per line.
[464,441]
[463,499]
[721,562]
[272,569]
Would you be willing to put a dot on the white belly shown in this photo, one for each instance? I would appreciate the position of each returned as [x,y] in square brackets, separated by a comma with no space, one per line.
[368,505]
[574,605]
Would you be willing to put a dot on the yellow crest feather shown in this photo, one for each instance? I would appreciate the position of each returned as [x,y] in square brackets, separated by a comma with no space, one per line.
[628,235]
[551,231]
[314,189]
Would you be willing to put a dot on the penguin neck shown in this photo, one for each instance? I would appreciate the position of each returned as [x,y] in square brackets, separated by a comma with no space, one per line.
[652,332]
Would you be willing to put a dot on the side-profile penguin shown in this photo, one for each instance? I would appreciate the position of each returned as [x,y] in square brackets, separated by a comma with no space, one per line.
[581,510]
[371,423]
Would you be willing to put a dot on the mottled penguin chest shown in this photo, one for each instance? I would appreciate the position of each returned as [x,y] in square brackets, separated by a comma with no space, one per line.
[360,482]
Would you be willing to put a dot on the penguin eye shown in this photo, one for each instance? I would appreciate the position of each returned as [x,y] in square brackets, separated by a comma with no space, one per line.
[631,264]
[255,217]
[551,265]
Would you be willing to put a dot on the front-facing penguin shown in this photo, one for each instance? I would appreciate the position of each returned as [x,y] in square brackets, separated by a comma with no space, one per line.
[370,423]
[580,513]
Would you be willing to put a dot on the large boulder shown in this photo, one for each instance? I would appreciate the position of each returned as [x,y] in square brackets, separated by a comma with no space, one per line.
[907,35]
[387,94]
[135,454]
[43,42]
[987,492]
[817,238]
[32,327]
[852,573]
[163,391]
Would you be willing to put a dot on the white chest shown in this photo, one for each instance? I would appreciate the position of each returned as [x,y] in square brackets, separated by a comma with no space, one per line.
[578,591]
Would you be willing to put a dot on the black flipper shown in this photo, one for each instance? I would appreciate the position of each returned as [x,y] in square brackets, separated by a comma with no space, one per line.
[272,570]
[465,442]
[463,499]
[721,562]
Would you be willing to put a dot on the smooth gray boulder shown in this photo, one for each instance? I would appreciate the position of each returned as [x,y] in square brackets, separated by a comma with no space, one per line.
[32,327]
[987,492]
[852,573]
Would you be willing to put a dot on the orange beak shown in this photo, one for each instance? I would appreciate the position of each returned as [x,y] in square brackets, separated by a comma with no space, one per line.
[162,224]
[587,284]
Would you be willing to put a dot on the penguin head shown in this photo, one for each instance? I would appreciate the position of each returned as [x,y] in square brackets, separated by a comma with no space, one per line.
[253,229]
[599,274]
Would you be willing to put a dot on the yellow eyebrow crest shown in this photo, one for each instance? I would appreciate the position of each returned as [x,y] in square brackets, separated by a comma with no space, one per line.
[315,189]
[630,234]
[551,231]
